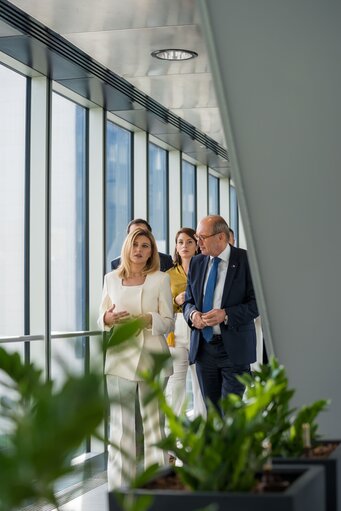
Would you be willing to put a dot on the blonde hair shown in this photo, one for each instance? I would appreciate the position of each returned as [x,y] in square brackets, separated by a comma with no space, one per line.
[153,263]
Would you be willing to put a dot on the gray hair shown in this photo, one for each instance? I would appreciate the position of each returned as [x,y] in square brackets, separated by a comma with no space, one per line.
[219,224]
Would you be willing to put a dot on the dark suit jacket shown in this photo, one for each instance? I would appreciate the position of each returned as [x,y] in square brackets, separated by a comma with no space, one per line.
[166,262]
[239,335]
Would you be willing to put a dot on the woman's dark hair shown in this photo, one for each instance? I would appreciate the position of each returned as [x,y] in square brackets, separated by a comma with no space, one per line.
[139,221]
[191,233]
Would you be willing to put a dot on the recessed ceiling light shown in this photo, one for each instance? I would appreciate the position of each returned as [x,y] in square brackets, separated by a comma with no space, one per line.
[174,54]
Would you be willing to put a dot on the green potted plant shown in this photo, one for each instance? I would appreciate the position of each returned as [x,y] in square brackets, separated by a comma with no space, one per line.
[45,426]
[222,459]
[296,439]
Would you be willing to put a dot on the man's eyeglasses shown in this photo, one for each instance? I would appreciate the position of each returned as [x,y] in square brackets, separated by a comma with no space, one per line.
[204,237]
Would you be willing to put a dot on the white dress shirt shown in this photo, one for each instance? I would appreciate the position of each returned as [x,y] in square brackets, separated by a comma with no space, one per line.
[221,277]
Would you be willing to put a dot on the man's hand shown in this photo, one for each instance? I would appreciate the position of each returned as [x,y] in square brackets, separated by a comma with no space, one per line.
[213,317]
[197,321]
[111,318]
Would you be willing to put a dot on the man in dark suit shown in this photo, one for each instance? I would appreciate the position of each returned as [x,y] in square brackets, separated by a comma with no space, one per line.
[166,261]
[223,338]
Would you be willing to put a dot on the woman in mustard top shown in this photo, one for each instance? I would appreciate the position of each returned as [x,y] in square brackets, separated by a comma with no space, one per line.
[178,341]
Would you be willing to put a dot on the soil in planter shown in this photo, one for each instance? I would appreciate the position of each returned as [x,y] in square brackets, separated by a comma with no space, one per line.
[322,450]
[169,481]
[271,483]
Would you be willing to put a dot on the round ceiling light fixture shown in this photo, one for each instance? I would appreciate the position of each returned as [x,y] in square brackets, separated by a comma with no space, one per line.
[174,54]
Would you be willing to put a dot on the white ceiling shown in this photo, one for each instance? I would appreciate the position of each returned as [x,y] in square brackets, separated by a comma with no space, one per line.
[121,36]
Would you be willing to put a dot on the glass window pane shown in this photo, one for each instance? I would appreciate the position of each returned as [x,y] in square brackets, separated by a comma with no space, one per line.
[234,213]
[157,195]
[12,211]
[118,189]
[188,195]
[67,358]
[8,393]
[213,195]
[12,202]
[68,201]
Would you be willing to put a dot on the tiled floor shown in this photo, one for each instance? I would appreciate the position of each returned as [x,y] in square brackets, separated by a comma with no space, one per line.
[93,500]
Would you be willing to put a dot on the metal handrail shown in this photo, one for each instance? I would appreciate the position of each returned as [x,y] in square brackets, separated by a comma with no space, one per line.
[54,335]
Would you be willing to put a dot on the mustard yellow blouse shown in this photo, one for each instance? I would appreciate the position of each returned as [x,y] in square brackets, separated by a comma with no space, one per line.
[178,281]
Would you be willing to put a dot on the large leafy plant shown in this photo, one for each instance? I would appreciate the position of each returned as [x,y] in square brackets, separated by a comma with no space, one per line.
[293,443]
[284,422]
[45,426]
[224,451]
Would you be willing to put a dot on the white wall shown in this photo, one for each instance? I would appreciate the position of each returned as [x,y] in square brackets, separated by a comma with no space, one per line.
[278,80]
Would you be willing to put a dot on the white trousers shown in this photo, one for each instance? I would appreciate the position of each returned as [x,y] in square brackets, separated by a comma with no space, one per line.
[122,459]
[176,386]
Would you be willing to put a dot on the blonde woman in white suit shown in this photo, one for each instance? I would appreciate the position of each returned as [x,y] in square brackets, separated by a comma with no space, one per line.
[136,289]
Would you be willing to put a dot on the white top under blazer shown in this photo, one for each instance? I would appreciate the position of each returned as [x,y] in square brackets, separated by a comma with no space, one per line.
[154,297]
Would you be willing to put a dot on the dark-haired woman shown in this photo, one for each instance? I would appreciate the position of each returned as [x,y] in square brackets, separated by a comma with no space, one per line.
[178,341]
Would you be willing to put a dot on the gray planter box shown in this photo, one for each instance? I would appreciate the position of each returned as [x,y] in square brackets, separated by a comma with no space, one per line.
[332,466]
[306,493]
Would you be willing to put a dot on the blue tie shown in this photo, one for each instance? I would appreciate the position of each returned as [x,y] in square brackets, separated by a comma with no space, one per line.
[207,305]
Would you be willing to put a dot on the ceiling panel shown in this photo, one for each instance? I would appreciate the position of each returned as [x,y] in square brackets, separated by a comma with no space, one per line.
[207,118]
[179,91]
[102,15]
[128,52]
[121,36]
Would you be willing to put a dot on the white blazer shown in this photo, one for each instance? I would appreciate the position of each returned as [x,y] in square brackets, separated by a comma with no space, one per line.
[154,297]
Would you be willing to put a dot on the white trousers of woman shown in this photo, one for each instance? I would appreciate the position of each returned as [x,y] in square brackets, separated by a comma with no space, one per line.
[122,459]
[176,386]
